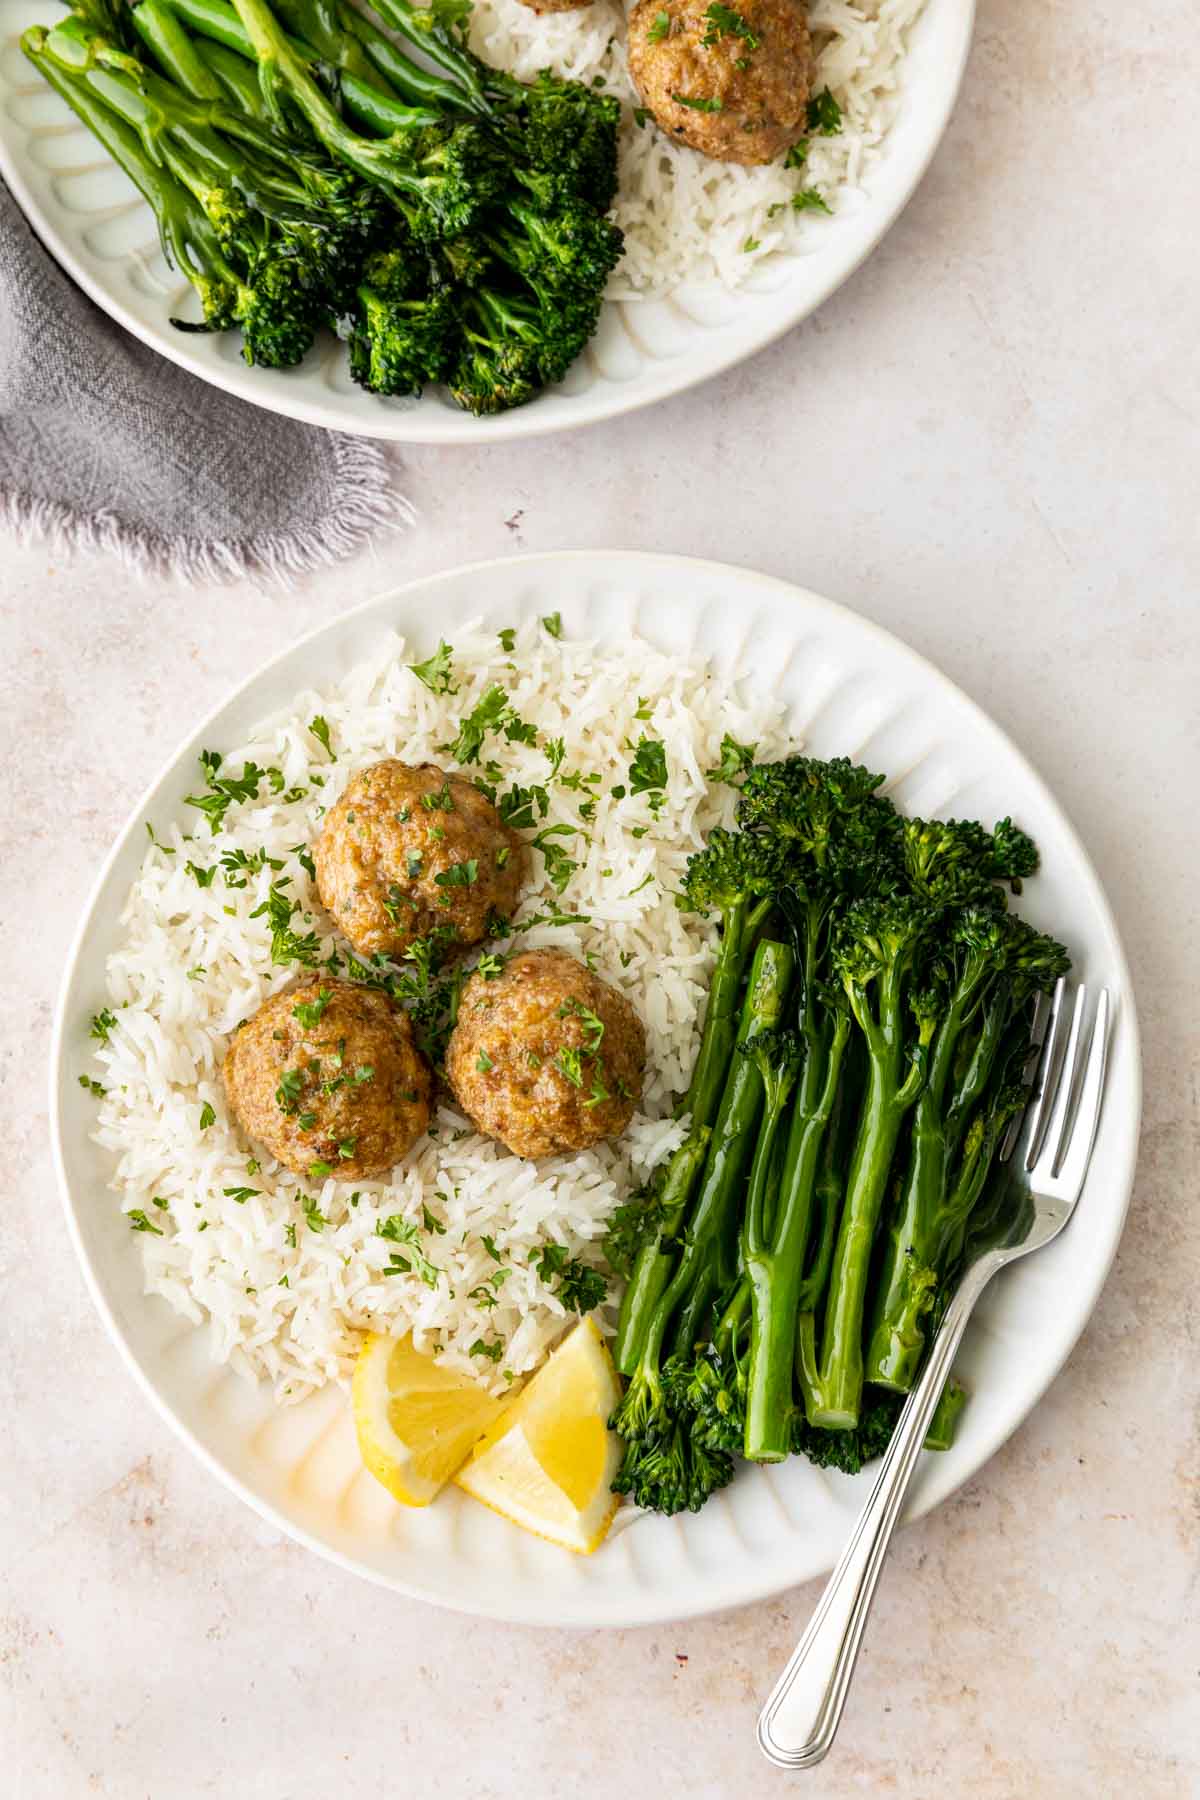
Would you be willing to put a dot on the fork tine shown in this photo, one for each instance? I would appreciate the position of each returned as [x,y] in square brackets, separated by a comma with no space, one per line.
[1033,1056]
[1045,1074]
[1078,1151]
[1060,1112]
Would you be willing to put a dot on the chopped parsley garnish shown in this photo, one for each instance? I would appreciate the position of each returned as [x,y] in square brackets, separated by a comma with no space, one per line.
[723,21]
[162,1205]
[287,1094]
[238,865]
[553,623]
[699,103]
[319,1170]
[139,1222]
[518,730]
[309,1011]
[508,639]
[207,1116]
[593,1025]
[810,200]
[483,1063]
[751,243]
[289,1233]
[92,1086]
[570,1062]
[166,849]
[399,1230]
[436,672]
[482,718]
[395,899]
[648,771]
[735,760]
[493,1351]
[578,1287]
[314,1217]
[556,749]
[440,801]
[599,1093]
[286,945]
[413,863]
[640,115]
[102,1024]
[824,114]
[517,807]
[559,866]
[489,1245]
[223,790]
[320,730]
[202,877]
[432,1224]
[460,874]
[241,1194]
[490,965]
[303,857]
[346,1148]
[659,28]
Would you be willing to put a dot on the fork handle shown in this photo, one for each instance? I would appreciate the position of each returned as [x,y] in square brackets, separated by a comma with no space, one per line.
[799,1722]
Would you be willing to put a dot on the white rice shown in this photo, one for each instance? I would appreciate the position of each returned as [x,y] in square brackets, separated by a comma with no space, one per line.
[687,218]
[284,1300]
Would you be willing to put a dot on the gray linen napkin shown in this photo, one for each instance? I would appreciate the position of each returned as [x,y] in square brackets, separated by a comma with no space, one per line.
[106,445]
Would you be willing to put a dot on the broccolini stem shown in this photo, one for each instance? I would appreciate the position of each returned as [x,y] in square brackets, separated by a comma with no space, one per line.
[417,27]
[834,1399]
[776,1267]
[188,241]
[653,1264]
[283,70]
[742,924]
[713,1225]
[369,101]
[163,35]
[943,1427]
[927,1216]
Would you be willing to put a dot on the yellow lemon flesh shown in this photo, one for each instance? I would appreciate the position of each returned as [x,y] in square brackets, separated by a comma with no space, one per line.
[548,1462]
[416,1421]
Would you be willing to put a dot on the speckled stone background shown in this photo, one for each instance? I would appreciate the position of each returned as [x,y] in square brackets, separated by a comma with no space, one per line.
[988,442]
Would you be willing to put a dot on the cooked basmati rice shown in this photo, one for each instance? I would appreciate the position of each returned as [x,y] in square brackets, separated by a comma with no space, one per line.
[687,218]
[288,1274]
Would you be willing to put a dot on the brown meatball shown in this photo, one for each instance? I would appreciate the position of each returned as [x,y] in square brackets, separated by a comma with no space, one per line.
[408,848]
[740,93]
[326,1073]
[546,1056]
[549,6]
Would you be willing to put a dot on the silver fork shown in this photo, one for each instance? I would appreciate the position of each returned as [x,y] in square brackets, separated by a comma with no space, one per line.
[1045,1161]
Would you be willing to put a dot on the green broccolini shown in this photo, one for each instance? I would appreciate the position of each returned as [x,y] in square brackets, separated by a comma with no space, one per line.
[445,219]
[785,1272]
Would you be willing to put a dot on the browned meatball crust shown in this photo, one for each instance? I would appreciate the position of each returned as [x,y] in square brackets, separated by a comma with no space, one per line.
[545,1056]
[326,1073]
[748,87]
[549,6]
[409,848]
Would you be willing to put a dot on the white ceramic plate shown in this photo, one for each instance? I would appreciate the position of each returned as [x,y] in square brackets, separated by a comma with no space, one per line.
[850,689]
[86,213]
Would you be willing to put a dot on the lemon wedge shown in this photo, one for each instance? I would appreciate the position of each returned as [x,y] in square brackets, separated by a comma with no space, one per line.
[547,1464]
[416,1421]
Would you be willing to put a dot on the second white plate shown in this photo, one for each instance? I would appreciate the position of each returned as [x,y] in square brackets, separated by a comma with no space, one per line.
[850,690]
[89,217]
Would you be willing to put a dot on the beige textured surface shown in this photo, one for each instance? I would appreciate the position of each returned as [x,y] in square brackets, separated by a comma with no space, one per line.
[988,443]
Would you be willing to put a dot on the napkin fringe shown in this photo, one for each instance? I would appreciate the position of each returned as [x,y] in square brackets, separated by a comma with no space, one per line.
[364,502]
